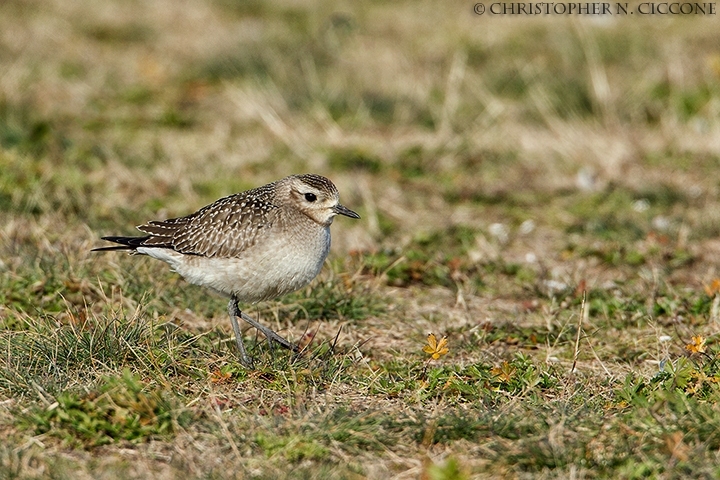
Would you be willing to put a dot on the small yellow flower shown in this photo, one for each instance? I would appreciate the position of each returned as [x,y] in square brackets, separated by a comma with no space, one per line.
[434,348]
[218,376]
[504,372]
[713,288]
[697,345]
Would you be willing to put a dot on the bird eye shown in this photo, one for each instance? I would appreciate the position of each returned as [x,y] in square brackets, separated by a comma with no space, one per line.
[310,197]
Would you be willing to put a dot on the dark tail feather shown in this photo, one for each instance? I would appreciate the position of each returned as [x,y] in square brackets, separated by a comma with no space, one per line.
[126,243]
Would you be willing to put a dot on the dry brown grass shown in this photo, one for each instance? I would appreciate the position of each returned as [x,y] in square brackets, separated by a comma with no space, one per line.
[501,165]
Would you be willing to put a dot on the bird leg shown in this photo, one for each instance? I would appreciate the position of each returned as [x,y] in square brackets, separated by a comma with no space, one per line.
[271,335]
[235,312]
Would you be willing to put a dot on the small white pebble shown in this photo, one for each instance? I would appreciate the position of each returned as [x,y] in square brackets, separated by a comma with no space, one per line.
[664,338]
[661,223]
[641,205]
[530,257]
[695,191]
[527,227]
[555,286]
[499,231]
[585,179]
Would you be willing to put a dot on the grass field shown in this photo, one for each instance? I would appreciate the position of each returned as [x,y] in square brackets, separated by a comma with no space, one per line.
[541,191]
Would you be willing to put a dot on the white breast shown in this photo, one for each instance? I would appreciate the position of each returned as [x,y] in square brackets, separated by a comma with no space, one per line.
[268,269]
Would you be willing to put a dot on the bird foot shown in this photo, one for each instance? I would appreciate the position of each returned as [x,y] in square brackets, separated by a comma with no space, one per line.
[245,359]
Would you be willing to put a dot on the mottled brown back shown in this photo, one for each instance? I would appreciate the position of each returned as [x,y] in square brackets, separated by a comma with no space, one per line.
[224,228]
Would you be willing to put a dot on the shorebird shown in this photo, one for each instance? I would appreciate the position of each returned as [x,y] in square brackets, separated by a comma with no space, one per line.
[251,246]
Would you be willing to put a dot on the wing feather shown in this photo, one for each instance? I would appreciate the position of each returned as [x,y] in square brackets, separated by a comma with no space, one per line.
[224,228]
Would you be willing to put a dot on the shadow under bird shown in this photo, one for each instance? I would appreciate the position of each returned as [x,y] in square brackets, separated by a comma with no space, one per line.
[251,246]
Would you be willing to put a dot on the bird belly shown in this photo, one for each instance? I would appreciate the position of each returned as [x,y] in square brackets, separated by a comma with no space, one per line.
[267,270]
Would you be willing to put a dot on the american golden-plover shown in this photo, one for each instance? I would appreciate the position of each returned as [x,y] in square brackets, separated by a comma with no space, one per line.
[251,246]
